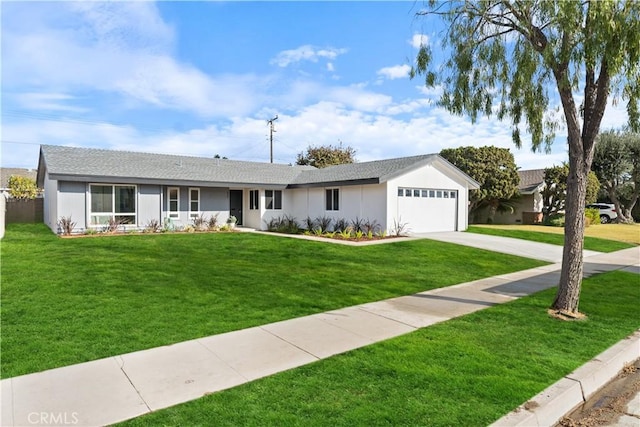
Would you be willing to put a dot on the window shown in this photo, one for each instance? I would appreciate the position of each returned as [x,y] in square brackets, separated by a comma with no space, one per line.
[439,194]
[273,199]
[416,193]
[400,192]
[194,202]
[254,199]
[424,193]
[174,202]
[407,192]
[332,199]
[453,194]
[446,194]
[432,193]
[112,202]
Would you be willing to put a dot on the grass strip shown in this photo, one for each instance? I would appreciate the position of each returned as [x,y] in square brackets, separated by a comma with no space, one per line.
[590,243]
[66,301]
[468,371]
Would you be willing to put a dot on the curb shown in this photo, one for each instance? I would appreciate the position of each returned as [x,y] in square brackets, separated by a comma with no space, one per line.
[549,406]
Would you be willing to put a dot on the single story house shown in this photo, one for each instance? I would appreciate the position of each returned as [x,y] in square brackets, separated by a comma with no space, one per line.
[92,186]
[527,208]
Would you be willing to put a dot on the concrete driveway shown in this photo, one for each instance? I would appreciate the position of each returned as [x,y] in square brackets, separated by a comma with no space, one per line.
[506,245]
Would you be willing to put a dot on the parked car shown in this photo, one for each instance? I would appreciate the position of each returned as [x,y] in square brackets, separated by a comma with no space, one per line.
[607,211]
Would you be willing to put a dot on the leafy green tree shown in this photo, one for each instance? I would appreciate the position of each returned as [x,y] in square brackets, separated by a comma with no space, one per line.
[22,187]
[515,59]
[555,190]
[616,162]
[495,170]
[322,156]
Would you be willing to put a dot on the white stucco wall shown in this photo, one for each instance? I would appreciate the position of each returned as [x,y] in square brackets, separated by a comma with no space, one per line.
[357,201]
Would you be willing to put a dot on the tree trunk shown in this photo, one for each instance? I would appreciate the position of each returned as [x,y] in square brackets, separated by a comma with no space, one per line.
[568,294]
[493,207]
[622,218]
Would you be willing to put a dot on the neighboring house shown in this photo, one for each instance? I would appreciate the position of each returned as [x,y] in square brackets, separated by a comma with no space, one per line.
[527,209]
[6,173]
[92,185]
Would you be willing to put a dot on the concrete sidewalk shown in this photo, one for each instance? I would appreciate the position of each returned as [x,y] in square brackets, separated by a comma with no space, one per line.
[117,388]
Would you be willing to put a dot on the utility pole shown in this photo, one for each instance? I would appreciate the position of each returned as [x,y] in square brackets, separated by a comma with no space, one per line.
[271,131]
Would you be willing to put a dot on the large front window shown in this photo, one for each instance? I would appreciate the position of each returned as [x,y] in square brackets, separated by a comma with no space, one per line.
[113,202]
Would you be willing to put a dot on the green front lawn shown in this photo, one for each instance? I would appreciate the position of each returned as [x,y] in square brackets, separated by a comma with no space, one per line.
[590,243]
[66,301]
[467,371]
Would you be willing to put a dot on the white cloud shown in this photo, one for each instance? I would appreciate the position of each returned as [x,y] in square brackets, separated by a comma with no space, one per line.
[373,133]
[395,72]
[121,48]
[305,53]
[419,40]
[47,101]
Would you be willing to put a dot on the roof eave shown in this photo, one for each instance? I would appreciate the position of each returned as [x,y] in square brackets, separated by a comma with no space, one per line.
[340,183]
[162,181]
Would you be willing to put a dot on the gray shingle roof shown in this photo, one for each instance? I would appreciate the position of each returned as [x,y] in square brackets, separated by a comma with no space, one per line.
[379,170]
[125,166]
[89,162]
[530,180]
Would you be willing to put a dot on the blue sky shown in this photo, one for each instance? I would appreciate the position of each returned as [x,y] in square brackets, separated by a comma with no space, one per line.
[202,78]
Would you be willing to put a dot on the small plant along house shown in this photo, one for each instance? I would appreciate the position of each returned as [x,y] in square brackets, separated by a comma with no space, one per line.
[94,187]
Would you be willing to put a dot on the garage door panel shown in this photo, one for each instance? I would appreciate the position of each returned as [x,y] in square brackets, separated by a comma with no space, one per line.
[428,214]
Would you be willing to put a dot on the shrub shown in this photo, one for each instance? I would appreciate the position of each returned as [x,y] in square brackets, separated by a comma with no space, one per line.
[199,222]
[370,226]
[66,225]
[592,216]
[153,226]
[340,224]
[309,224]
[346,233]
[556,220]
[112,225]
[323,223]
[399,228]
[285,224]
[357,224]
[21,187]
[212,224]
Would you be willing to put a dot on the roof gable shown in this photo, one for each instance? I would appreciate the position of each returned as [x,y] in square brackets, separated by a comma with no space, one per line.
[373,172]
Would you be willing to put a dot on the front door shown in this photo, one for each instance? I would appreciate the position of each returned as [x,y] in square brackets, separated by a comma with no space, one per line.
[235,204]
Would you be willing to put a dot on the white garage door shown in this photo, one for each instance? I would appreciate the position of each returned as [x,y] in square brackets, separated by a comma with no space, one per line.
[428,209]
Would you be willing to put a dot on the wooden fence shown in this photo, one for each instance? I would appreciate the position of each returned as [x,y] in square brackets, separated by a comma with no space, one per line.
[19,210]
